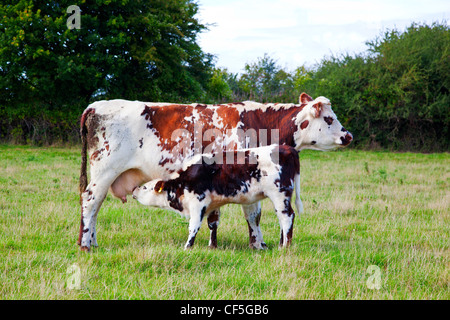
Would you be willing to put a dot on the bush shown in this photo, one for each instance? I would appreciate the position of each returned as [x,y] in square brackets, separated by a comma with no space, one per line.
[396,96]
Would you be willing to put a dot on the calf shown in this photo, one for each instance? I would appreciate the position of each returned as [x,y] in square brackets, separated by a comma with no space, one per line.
[203,186]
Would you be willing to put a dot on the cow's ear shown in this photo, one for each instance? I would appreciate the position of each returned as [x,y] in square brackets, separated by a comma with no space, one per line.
[317,109]
[305,98]
[159,186]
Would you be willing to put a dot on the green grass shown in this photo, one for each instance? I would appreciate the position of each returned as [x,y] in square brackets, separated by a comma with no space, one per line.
[362,209]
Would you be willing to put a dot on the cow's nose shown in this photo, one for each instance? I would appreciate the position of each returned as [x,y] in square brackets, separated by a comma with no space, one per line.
[347,139]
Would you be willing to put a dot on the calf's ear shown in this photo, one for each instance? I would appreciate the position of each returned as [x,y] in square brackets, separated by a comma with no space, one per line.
[305,98]
[159,186]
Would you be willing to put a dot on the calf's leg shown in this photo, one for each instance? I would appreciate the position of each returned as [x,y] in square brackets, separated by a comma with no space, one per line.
[286,217]
[196,213]
[252,214]
[213,223]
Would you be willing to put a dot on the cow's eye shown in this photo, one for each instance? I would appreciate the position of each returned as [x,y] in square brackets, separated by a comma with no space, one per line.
[145,188]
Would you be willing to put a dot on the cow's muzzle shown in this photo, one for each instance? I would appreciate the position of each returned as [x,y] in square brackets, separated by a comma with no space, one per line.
[347,139]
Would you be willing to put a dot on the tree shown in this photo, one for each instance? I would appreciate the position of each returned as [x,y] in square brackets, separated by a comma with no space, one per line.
[143,50]
[397,94]
[266,81]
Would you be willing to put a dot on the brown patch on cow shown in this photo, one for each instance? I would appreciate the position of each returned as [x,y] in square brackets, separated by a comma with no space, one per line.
[328,120]
[229,116]
[213,221]
[318,106]
[251,236]
[165,120]
[147,112]
[280,119]
[237,103]
[96,155]
[304,124]
[291,166]
[93,121]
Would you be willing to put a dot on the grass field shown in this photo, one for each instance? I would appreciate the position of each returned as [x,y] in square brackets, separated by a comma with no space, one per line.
[376,226]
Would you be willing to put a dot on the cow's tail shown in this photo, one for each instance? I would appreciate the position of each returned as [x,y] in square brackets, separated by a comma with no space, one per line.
[83,133]
[298,201]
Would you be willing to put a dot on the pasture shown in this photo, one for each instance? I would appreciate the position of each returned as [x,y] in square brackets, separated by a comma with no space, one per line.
[376,226]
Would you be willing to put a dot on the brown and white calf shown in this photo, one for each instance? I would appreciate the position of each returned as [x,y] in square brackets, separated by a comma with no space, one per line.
[128,143]
[203,186]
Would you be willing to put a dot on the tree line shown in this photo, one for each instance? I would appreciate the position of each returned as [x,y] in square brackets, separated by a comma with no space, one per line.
[394,96]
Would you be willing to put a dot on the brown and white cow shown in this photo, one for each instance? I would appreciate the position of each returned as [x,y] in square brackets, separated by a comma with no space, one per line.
[132,142]
[203,186]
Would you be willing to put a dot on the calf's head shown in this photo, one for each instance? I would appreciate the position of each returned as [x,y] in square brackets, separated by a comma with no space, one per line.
[318,127]
[151,194]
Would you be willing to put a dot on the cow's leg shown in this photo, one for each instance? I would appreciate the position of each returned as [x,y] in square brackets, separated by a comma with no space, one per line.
[286,217]
[195,222]
[252,214]
[213,223]
[91,201]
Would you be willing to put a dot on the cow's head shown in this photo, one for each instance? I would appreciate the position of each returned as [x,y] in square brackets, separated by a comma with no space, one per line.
[318,127]
[151,194]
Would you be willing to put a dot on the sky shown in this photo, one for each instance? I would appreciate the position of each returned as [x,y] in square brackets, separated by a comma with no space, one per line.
[299,32]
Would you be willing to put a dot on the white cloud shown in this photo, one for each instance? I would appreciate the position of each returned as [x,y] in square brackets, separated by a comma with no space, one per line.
[297,31]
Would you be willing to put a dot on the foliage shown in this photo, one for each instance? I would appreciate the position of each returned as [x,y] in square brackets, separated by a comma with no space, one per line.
[143,50]
[395,95]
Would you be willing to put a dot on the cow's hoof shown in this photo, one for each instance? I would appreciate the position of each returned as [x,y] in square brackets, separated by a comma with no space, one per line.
[212,246]
[258,246]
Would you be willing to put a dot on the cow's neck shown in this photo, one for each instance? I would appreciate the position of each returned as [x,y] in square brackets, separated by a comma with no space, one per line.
[281,119]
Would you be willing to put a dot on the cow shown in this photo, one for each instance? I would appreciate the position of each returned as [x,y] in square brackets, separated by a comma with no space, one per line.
[201,187]
[128,143]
